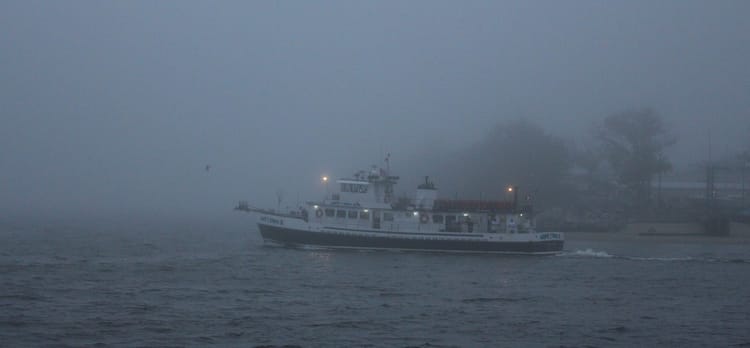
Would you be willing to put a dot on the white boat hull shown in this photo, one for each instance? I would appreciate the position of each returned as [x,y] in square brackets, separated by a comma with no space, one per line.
[295,232]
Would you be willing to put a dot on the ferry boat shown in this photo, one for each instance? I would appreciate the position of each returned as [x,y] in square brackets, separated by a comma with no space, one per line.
[362,213]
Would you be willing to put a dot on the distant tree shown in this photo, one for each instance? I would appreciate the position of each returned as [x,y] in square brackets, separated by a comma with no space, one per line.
[587,158]
[519,153]
[591,172]
[586,155]
[634,142]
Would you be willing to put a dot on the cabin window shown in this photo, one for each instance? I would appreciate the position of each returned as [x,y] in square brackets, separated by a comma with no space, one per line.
[344,187]
[352,214]
[449,219]
[387,217]
[364,215]
[329,212]
[340,213]
[438,219]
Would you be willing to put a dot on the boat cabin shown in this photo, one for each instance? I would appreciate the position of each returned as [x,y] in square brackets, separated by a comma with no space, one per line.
[365,201]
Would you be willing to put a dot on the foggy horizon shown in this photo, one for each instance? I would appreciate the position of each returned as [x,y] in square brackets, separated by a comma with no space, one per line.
[119,106]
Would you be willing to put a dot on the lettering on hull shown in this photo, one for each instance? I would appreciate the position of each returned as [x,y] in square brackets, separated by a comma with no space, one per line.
[549,236]
[271,220]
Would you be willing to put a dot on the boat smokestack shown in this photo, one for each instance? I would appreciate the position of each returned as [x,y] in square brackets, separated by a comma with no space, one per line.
[426,195]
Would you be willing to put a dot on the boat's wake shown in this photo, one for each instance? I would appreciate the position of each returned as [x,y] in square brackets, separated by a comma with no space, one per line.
[590,253]
[586,253]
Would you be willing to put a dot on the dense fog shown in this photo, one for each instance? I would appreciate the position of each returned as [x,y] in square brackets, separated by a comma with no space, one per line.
[184,108]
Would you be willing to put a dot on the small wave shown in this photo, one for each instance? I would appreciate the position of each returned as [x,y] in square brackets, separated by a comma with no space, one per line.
[13,323]
[204,339]
[396,294]
[313,247]
[494,299]
[685,259]
[344,324]
[620,329]
[660,258]
[24,297]
[726,260]
[427,345]
[588,253]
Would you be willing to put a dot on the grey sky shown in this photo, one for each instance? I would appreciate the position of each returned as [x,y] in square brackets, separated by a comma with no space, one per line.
[118,106]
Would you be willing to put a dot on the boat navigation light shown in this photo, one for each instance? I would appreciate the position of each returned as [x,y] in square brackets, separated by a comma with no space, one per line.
[510,188]
[416,213]
[366,210]
[315,206]
[325,178]
[521,214]
[466,214]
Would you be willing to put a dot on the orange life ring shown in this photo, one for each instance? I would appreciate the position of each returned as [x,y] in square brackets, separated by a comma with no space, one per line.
[423,218]
[319,212]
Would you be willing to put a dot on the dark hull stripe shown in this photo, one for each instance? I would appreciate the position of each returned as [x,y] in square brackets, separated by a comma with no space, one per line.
[296,237]
[442,234]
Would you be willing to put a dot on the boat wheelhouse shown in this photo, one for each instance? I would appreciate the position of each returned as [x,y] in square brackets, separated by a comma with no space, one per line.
[361,212]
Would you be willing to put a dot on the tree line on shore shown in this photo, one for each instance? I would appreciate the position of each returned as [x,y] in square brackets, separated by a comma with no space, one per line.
[629,146]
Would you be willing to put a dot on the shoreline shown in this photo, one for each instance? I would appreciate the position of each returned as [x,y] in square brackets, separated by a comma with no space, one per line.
[665,233]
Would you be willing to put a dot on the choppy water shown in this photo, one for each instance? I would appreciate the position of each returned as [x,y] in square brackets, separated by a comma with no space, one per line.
[205,283]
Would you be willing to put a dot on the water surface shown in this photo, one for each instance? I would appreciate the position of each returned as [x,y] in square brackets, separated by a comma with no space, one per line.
[212,282]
